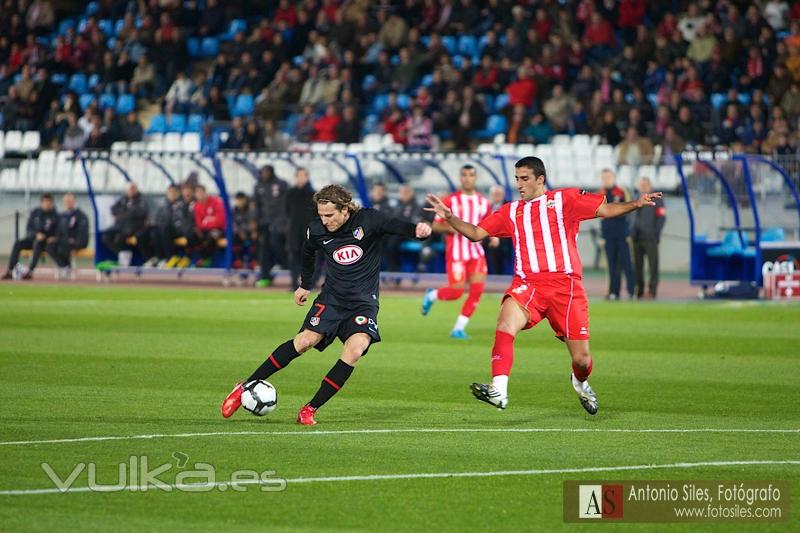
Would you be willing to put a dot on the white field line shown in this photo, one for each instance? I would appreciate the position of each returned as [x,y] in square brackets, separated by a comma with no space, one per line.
[391,431]
[222,485]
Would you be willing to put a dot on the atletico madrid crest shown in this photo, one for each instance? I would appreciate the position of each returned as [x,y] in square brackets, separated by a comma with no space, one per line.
[358,233]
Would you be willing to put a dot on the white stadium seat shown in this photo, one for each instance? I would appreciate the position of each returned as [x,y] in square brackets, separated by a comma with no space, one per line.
[31,141]
[190,142]
[525,149]
[561,139]
[8,179]
[604,157]
[13,141]
[626,176]
[172,142]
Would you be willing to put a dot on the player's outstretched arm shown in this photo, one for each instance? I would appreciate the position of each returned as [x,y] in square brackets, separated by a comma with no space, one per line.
[470,231]
[620,208]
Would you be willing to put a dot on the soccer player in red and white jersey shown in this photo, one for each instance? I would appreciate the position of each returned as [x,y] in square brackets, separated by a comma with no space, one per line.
[466,260]
[547,271]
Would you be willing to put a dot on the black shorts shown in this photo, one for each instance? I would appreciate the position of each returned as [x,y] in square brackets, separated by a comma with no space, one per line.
[333,321]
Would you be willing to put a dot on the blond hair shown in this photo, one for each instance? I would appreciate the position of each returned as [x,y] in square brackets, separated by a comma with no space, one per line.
[336,195]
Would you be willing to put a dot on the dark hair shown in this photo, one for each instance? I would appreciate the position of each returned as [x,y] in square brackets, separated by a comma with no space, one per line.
[533,163]
[240,194]
[336,195]
[467,167]
[46,196]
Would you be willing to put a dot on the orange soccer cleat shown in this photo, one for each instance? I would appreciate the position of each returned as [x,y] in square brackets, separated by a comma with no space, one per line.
[232,401]
[306,415]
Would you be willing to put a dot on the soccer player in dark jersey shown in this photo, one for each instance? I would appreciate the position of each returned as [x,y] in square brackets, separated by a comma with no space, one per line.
[347,306]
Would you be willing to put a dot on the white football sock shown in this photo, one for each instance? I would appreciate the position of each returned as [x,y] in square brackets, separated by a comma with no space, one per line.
[461,322]
[501,384]
[579,386]
[433,295]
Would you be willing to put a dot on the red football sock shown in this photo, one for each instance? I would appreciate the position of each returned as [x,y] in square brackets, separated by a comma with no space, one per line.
[471,303]
[502,353]
[582,374]
[449,293]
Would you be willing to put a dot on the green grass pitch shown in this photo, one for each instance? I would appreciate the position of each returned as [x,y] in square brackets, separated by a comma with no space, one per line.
[119,361]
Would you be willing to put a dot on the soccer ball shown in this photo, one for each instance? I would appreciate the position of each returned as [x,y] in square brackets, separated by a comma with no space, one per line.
[259,397]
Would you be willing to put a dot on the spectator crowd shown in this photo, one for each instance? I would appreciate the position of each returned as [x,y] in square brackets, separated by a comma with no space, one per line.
[452,72]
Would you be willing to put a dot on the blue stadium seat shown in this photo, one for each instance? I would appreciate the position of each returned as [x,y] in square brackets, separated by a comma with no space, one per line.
[77,83]
[195,123]
[107,27]
[193,47]
[176,124]
[244,105]
[773,235]
[380,102]
[91,8]
[496,124]
[64,25]
[94,79]
[118,26]
[111,42]
[81,28]
[468,45]
[125,104]
[209,46]
[449,43]
[403,101]
[158,124]
[458,61]
[371,124]
[500,102]
[718,100]
[298,60]
[733,243]
[58,78]
[107,100]
[235,26]
[290,123]
[744,98]
[85,100]
[427,80]
[369,81]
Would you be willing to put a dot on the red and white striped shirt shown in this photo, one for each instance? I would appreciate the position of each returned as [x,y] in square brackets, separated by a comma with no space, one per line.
[472,208]
[545,230]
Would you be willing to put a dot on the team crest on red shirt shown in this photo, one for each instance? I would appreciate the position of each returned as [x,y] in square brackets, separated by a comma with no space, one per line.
[550,204]
[358,233]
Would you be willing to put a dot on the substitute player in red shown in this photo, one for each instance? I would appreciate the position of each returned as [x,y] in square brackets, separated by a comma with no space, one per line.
[466,261]
[547,271]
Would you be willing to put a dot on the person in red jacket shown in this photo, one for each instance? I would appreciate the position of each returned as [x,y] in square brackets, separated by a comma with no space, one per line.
[325,126]
[523,90]
[599,38]
[209,222]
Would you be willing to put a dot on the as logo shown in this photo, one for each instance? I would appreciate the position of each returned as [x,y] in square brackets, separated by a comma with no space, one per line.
[361,320]
[347,255]
[550,204]
[358,233]
[314,321]
[519,290]
[600,501]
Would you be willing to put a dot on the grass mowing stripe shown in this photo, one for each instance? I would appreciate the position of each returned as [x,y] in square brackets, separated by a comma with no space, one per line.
[399,430]
[384,477]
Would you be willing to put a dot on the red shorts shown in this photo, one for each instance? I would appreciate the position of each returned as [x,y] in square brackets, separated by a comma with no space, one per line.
[561,301]
[460,271]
